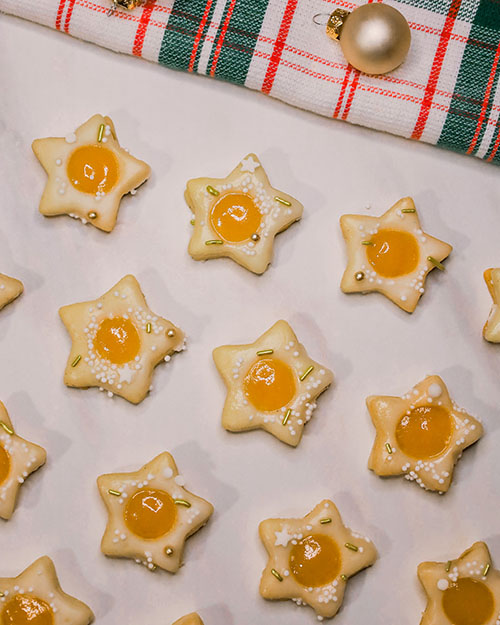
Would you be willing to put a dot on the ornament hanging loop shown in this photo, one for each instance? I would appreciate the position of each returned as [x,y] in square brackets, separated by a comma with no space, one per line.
[321,19]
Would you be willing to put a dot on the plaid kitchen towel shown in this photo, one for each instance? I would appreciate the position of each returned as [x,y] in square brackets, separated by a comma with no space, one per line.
[447,92]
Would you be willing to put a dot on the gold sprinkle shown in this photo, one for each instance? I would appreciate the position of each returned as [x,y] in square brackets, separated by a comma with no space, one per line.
[214,242]
[359,275]
[255,237]
[408,210]
[435,262]
[212,191]
[76,361]
[306,373]
[264,352]
[343,577]
[287,416]
[448,566]
[6,428]
[389,448]
[279,199]
[169,551]
[351,547]
[276,575]
[325,521]
[192,222]
[171,333]
[116,493]
[182,502]
[100,133]
[2,594]
[367,243]
[486,570]
[92,215]
[148,328]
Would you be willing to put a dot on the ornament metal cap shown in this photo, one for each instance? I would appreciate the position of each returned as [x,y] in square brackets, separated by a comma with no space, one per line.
[375,38]
[127,4]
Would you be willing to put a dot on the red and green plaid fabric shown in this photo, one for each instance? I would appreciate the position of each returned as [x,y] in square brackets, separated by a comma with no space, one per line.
[446,93]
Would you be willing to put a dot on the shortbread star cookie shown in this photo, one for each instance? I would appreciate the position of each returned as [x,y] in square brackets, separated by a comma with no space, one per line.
[390,254]
[10,288]
[272,384]
[117,341]
[465,591]
[491,330]
[151,514]
[421,435]
[35,597]
[18,459]
[88,173]
[190,619]
[311,559]
[239,216]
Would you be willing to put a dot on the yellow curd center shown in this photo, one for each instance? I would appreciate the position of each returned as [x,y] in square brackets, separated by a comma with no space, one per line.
[25,610]
[393,253]
[425,432]
[150,513]
[117,340]
[315,560]
[4,464]
[270,384]
[468,602]
[235,217]
[93,168]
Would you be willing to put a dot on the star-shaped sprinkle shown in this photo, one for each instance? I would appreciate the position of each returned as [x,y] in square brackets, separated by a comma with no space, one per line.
[117,341]
[36,596]
[88,173]
[272,384]
[10,288]
[421,435]
[189,619]
[151,514]
[462,591]
[390,254]
[18,459]
[314,566]
[239,216]
[491,330]
[283,537]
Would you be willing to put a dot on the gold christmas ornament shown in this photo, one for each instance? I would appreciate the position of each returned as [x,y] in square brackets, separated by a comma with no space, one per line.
[375,38]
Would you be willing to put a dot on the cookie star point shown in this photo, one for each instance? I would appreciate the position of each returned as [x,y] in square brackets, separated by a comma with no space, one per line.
[37,591]
[313,567]
[272,384]
[117,341]
[189,619]
[460,589]
[421,435]
[10,289]
[151,514]
[390,254]
[18,459]
[239,216]
[88,173]
[491,330]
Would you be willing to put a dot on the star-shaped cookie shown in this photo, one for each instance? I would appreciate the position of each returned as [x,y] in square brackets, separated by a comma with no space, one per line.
[311,559]
[36,597]
[18,459]
[491,330]
[465,591]
[239,216]
[272,384]
[421,435]
[151,514]
[117,341]
[390,254]
[189,619]
[88,173]
[10,288]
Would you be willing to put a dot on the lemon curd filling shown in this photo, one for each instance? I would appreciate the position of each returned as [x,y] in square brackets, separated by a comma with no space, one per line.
[468,602]
[315,560]
[4,464]
[393,253]
[235,217]
[26,610]
[270,384]
[117,340]
[150,513]
[425,432]
[93,169]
